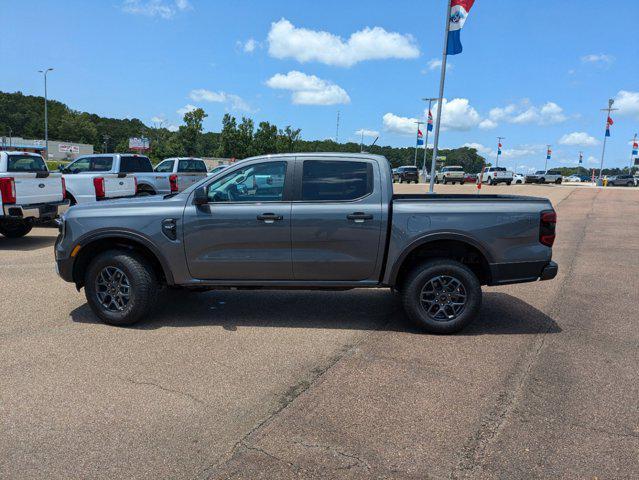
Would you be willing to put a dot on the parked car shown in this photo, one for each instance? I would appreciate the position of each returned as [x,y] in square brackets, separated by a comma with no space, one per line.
[453,174]
[313,221]
[623,180]
[406,173]
[470,177]
[518,178]
[100,177]
[217,169]
[496,175]
[545,176]
[573,178]
[29,193]
[172,175]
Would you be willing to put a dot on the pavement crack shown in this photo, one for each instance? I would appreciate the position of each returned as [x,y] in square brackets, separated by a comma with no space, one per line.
[163,388]
[358,461]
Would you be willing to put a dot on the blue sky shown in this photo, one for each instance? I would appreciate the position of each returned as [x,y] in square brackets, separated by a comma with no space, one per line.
[530,71]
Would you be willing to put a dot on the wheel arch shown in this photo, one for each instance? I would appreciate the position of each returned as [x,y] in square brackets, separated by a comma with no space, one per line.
[121,239]
[457,246]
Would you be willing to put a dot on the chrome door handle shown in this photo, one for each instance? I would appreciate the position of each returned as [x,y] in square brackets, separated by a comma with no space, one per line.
[359,217]
[269,218]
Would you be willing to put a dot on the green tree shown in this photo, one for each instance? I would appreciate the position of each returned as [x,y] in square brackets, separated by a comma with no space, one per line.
[288,139]
[265,139]
[191,132]
[228,137]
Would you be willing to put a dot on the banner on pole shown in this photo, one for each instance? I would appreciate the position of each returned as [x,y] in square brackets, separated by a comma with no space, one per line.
[458,13]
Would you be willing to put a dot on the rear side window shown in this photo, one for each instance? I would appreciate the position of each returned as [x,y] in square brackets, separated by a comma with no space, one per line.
[25,163]
[324,180]
[191,165]
[498,169]
[135,165]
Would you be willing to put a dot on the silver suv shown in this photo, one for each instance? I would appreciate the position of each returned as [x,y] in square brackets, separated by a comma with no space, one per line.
[545,176]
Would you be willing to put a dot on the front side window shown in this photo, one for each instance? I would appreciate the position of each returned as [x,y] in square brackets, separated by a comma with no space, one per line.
[192,166]
[25,163]
[326,180]
[165,167]
[261,182]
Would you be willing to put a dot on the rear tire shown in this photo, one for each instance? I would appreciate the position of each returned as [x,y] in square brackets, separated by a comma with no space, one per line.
[15,229]
[461,183]
[490,181]
[121,287]
[558,181]
[442,296]
[445,180]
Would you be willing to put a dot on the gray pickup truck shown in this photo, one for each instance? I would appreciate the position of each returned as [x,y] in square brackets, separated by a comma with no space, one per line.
[309,221]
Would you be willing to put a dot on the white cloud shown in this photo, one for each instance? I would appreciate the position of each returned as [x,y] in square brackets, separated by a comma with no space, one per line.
[457,114]
[157,119]
[285,40]
[581,139]
[249,46]
[309,89]
[436,64]
[367,133]
[520,151]
[155,8]
[593,161]
[185,109]
[627,103]
[487,124]
[598,58]
[402,125]
[203,95]
[526,113]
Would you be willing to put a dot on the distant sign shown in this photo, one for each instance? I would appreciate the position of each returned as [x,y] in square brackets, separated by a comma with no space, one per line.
[138,143]
[62,148]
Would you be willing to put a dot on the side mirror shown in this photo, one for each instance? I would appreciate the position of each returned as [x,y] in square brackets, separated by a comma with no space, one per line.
[200,197]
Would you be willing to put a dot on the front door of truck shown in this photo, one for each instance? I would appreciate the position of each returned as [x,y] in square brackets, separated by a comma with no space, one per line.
[244,231]
[337,220]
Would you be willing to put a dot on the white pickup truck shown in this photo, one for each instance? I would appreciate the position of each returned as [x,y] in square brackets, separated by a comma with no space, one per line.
[172,175]
[29,193]
[495,175]
[452,174]
[97,177]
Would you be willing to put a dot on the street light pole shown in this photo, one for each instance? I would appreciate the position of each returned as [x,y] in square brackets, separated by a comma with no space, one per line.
[46,115]
[603,150]
[428,127]
[417,140]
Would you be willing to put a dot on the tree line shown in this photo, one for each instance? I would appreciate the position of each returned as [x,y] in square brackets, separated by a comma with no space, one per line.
[24,115]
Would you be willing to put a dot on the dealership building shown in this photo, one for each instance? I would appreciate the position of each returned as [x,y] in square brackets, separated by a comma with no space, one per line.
[58,151]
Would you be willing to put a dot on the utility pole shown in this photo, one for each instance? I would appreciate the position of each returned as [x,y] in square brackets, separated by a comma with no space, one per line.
[611,102]
[499,139]
[429,127]
[548,154]
[46,116]
[417,140]
[337,129]
[105,146]
[361,143]
[440,99]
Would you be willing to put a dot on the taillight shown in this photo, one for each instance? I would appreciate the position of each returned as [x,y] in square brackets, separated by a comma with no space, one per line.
[547,225]
[64,189]
[98,184]
[8,190]
[173,181]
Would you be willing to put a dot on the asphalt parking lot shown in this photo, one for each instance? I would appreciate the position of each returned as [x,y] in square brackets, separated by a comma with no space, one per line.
[274,384]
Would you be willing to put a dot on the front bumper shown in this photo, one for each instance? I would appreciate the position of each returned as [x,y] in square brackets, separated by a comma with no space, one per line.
[36,211]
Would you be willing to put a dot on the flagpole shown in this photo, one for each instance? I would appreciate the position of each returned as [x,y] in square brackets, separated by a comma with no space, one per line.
[442,79]
[632,151]
[499,139]
[603,150]
[417,141]
[430,103]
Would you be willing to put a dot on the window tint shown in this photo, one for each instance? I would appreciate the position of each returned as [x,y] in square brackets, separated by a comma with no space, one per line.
[191,165]
[25,163]
[336,180]
[453,169]
[135,164]
[261,182]
[498,169]
[101,164]
[165,167]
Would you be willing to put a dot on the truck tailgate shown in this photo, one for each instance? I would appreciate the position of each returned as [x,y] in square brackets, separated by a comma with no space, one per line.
[116,186]
[30,189]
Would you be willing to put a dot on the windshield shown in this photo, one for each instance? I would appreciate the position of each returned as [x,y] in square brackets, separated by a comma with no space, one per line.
[499,169]
[26,163]
[453,169]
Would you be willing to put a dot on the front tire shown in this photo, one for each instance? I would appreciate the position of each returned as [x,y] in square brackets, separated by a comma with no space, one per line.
[508,183]
[121,287]
[15,229]
[442,296]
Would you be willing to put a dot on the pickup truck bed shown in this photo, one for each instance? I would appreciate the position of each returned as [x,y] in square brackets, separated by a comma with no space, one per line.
[310,221]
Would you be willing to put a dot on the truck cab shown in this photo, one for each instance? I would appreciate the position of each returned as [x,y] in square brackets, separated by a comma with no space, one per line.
[29,193]
[173,175]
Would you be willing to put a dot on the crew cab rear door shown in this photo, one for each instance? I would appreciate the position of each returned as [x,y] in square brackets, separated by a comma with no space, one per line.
[33,182]
[336,219]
